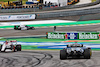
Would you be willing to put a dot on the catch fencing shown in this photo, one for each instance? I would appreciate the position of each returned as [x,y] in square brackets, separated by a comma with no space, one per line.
[67,13]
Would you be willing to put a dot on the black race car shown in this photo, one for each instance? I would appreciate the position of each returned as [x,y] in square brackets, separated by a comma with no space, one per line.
[75,50]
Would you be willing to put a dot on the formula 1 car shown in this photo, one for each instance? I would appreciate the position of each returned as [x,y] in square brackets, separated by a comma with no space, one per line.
[10,46]
[75,50]
[23,27]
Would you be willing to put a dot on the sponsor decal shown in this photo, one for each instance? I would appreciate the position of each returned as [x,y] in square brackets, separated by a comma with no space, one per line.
[55,36]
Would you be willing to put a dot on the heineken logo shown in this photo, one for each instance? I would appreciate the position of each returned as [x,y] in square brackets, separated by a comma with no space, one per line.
[55,36]
[88,36]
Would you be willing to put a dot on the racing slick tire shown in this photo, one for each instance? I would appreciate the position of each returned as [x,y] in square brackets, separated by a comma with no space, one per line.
[0,47]
[15,27]
[18,47]
[63,54]
[87,53]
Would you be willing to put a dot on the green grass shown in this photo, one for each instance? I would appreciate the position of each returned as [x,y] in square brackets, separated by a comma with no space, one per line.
[50,40]
[36,40]
[29,47]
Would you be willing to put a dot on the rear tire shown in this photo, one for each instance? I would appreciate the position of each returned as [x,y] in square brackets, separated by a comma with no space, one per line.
[63,54]
[18,47]
[14,27]
[87,53]
[0,47]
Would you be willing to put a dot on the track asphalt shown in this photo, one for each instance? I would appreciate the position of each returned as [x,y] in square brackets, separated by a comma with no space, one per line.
[45,59]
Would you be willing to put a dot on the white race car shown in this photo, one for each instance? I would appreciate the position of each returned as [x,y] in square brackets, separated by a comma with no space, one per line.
[10,46]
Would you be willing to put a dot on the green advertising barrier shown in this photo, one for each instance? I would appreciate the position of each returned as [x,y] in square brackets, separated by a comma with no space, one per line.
[73,35]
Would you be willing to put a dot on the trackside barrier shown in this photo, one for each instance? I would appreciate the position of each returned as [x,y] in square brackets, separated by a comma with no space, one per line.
[68,13]
[46,9]
[64,13]
[73,35]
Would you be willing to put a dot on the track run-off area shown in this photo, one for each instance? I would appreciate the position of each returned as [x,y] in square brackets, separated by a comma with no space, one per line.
[45,58]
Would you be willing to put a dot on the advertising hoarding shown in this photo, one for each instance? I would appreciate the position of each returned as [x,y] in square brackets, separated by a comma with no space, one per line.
[73,35]
[17,17]
[90,35]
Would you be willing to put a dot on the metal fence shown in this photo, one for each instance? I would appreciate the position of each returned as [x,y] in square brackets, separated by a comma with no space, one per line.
[47,8]
[68,13]
[90,17]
